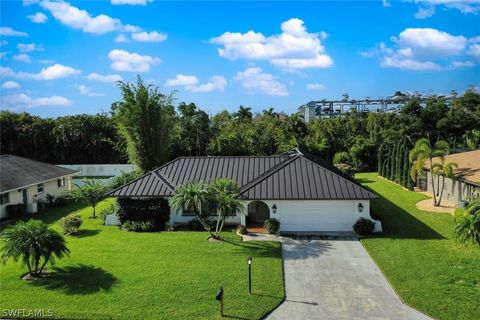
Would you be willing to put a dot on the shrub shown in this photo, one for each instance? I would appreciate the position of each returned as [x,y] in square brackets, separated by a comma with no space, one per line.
[364,226]
[124,178]
[155,210]
[272,225]
[240,229]
[50,200]
[71,223]
[60,202]
[138,226]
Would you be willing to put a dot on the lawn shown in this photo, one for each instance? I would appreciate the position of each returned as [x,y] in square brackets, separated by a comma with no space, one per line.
[114,274]
[427,267]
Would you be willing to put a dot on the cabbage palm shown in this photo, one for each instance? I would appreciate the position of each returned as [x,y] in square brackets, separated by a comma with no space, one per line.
[190,197]
[446,171]
[33,243]
[225,197]
[423,151]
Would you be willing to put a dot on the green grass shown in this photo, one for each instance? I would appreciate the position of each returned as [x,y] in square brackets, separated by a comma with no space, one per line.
[417,253]
[114,274]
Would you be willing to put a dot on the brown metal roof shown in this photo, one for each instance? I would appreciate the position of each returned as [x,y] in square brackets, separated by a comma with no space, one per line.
[293,175]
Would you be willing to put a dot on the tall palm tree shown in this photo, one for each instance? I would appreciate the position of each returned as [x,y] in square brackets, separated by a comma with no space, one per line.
[31,242]
[225,197]
[445,170]
[190,197]
[243,113]
[423,151]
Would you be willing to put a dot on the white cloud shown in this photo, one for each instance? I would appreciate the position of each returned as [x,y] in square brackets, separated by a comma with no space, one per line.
[153,36]
[254,80]
[29,47]
[38,17]
[9,32]
[109,78]
[126,61]
[57,71]
[22,58]
[424,13]
[386,3]
[10,85]
[45,61]
[87,91]
[130,2]
[19,101]
[474,50]
[315,86]
[121,38]
[181,80]
[462,64]
[294,48]
[131,28]
[424,49]
[427,8]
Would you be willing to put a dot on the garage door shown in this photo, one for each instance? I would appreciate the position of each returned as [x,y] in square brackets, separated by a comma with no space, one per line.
[317,216]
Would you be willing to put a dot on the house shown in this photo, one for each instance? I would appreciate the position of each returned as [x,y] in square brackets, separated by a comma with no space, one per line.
[466,184]
[27,182]
[305,193]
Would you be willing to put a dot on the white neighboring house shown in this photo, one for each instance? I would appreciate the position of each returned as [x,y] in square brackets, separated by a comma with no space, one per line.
[25,181]
[305,193]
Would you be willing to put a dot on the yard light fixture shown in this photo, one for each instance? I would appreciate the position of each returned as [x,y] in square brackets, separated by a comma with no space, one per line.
[274,208]
[360,207]
[249,261]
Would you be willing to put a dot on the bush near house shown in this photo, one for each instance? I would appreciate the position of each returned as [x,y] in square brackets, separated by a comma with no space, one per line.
[155,210]
[364,226]
[272,225]
[71,223]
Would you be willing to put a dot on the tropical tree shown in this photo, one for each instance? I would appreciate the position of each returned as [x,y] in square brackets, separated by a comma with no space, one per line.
[445,170]
[90,193]
[243,113]
[424,151]
[467,225]
[145,118]
[191,197]
[34,244]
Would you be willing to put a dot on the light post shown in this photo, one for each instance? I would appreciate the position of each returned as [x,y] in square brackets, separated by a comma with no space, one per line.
[249,261]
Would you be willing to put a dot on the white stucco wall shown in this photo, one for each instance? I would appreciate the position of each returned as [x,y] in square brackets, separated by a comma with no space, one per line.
[454,190]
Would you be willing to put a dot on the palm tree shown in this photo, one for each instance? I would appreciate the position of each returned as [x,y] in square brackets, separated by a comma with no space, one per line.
[270,112]
[467,225]
[423,151]
[190,197]
[225,197]
[446,171]
[90,193]
[32,241]
[243,113]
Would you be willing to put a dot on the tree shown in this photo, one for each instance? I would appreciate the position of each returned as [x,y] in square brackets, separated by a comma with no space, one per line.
[145,118]
[191,197]
[380,158]
[225,193]
[90,193]
[445,170]
[467,225]
[423,151]
[243,114]
[32,242]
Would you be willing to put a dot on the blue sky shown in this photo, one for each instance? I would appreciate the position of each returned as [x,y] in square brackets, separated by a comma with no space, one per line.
[61,57]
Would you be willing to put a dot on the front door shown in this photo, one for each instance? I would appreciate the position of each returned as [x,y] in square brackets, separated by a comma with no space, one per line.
[24,196]
[258,212]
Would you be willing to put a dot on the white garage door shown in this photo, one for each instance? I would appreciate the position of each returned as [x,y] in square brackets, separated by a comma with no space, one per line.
[317,216]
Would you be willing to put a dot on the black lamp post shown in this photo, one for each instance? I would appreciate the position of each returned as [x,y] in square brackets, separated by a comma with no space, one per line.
[249,261]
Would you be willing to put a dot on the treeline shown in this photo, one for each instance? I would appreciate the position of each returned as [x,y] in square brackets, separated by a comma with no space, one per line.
[192,132]
[394,163]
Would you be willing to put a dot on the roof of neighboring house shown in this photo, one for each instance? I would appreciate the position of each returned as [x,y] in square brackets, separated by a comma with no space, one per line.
[18,172]
[468,165]
[291,176]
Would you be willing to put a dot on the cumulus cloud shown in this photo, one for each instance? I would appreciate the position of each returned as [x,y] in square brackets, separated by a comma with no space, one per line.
[121,38]
[129,61]
[474,51]
[315,86]
[87,91]
[181,80]
[38,17]
[109,78]
[153,36]
[427,8]
[294,48]
[190,83]
[57,71]
[29,47]
[421,49]
[20,101]
[130,2]
[254,80]
[22,58]
[10,85]
[9,32]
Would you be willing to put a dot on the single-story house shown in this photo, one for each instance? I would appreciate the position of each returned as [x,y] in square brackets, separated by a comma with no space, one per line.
[25,181]
[305,193]
[466,184]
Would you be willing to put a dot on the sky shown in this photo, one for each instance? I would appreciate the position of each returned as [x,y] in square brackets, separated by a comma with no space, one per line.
[64,58]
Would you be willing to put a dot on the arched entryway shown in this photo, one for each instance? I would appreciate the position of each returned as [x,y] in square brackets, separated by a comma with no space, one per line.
[258,212]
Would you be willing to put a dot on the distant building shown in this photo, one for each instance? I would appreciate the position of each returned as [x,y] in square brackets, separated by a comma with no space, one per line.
[25,181]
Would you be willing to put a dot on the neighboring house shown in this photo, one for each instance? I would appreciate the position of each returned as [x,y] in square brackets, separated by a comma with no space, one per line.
[303,192]
[25,181]
[466,184]
[104,173]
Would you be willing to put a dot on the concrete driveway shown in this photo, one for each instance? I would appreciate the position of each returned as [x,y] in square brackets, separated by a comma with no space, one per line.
[336,279]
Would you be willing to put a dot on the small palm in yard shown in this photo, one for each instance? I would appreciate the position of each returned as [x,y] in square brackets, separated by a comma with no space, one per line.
[467,225]
[34,244]
[90,193]
[445,170]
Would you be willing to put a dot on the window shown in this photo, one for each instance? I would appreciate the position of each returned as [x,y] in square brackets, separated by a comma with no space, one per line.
[61,182]
[4,198]
[40,188]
